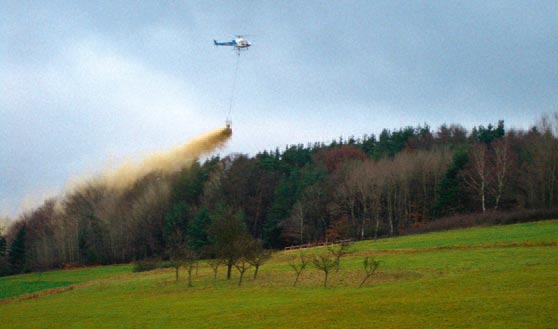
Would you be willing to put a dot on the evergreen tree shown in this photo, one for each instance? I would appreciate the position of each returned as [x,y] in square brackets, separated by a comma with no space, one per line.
[489,134]
[176,221]
[188,186]
[16,255]
[368,144]
[197,230]
[449,196]
[2,246]
[3,261]
[283,200]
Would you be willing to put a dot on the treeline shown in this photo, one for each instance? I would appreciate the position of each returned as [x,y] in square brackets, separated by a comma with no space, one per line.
[354,188]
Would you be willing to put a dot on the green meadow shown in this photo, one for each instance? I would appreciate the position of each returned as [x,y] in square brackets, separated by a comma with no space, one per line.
[13,286]
[489,277]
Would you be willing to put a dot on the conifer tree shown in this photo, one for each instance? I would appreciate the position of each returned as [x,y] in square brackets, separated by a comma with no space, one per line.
[3,261]
[16,255]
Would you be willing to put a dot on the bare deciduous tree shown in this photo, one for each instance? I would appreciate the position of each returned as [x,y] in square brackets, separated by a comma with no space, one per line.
[370,266]
[214,265]
[250,252]
[324,262]
[242,265]
[298,264]
[190,262]
[477,176]
[502,166]
[228,233]
[338,251]
[258,256]
[177,255]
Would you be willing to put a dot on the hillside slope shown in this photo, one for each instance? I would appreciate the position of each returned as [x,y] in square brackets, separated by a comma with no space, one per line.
[504,276]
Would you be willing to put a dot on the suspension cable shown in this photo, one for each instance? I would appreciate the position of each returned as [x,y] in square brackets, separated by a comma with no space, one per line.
[233,88]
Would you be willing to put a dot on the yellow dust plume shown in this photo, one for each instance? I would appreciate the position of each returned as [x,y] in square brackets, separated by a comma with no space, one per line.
[167,162]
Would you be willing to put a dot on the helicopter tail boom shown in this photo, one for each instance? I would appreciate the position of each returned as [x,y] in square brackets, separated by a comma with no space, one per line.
[230,43]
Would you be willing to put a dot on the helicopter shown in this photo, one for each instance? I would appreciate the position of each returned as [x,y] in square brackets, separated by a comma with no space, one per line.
[239,43]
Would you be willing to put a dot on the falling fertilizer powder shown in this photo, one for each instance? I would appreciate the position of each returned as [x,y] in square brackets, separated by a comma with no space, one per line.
[166,162]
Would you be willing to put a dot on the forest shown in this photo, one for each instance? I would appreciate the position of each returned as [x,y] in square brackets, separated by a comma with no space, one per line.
[399,182]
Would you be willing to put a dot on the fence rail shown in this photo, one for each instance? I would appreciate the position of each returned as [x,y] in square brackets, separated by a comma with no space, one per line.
[317,244]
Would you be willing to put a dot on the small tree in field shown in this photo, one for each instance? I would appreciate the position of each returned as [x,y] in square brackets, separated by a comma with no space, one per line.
[178,257]
[175,261]
[242,265]
[298,264]
[176,243]
[258,256]
[228,233]
[245,249]
[214,264]
[370,266]
[190,262]
[324,262]
[338,251]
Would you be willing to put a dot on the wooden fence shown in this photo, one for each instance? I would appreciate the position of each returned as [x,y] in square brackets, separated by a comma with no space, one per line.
[317,244]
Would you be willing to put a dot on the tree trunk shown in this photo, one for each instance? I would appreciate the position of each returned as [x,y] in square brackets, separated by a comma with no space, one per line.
[229,269]
[190,277]
[240,279]
[390,212]
[296,280]
[482,191]
[376,228]
[257,266]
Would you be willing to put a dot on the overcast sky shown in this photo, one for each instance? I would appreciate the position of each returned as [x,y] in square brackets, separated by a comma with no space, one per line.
[86,84]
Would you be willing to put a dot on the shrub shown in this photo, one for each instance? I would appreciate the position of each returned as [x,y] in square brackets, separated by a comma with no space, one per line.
[146,265]
[487,218]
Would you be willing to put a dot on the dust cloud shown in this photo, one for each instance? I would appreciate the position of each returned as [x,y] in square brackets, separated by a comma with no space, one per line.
[120,180]
[166,162]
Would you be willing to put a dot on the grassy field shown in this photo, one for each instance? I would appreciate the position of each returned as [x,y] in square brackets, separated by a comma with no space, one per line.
[12,286]
[494,277]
